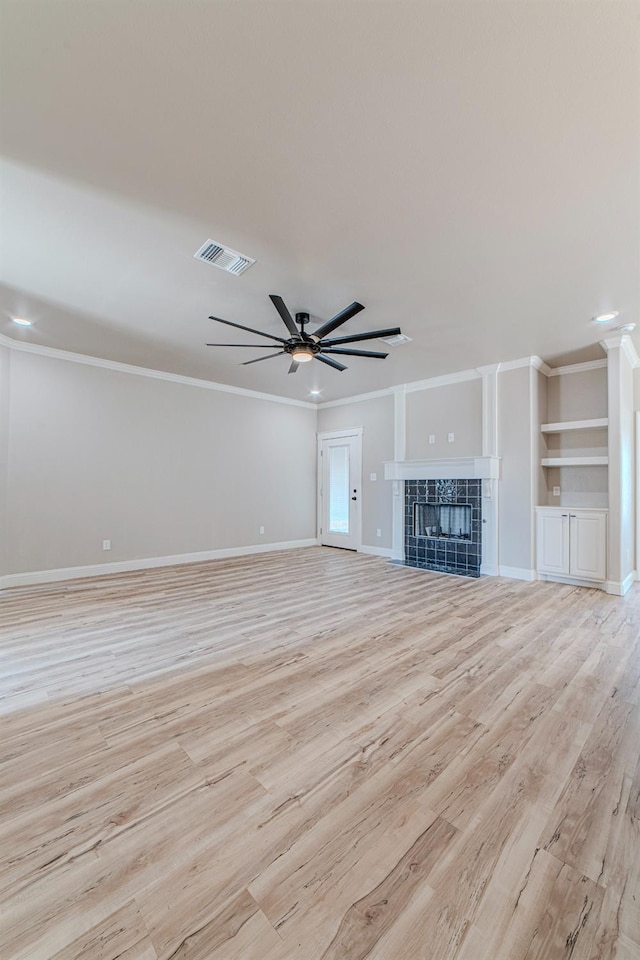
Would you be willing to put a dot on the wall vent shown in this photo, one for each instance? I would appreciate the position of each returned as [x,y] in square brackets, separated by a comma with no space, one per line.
[397,340]
[223,257]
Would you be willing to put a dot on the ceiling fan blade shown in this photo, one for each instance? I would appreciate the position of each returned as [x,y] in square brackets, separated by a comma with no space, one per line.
[371,335]
[249,329]
[258,359]
[288,320]
[294,367]
[330,362]
[339,319]
[254,346]
[356,353]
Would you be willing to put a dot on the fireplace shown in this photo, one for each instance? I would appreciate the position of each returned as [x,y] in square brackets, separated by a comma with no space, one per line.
[443,525]
[444,521]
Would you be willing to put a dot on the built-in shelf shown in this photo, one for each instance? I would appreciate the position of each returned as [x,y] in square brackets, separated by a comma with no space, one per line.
[574,425]
[575,461]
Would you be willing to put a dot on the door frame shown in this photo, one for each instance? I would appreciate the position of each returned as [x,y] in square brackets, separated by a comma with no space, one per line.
[339,435]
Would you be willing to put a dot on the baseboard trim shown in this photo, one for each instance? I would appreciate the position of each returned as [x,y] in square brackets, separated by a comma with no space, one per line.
[489,570]
[518,573]
[618,588]
[386,552]
[574,581]
[147,563]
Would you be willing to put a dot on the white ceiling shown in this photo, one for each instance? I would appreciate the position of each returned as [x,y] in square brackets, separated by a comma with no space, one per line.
[469,171]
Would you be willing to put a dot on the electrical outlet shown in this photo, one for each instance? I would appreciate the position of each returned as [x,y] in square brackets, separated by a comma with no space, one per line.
[106,544]
[432,438]
[261,531]
[451,437]
[373,476]
[556,491]
[378,532]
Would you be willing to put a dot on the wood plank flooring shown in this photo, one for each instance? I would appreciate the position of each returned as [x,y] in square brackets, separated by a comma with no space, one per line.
[317,755]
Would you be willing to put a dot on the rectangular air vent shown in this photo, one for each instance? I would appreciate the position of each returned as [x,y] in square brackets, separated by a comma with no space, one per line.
[223,257]
[397,340]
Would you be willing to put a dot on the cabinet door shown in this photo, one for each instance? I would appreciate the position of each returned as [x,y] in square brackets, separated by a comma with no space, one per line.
[553,542]
[588,545]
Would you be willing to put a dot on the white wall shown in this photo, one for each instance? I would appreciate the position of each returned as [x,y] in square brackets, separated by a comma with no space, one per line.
[5,362]
[159,468]
[454,408]
[375,416]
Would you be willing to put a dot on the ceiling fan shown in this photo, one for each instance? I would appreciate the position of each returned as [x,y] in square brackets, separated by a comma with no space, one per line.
[302,346]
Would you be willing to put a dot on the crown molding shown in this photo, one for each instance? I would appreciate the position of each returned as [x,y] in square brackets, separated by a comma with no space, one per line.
[540,365]
[356,398]
[625,343]
[115,365]
[578,367]
[534,361]
[444,381]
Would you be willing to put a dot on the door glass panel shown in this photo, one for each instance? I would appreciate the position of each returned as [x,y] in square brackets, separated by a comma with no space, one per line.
[339,489]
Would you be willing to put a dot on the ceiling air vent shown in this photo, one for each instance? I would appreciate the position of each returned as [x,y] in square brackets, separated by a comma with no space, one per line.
[397,340]
[223,257]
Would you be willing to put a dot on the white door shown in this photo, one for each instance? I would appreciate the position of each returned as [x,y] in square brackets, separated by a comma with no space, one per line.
[553,542]
[588,545]
[339,490]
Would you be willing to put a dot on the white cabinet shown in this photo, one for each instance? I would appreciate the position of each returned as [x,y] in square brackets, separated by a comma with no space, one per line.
[572,542]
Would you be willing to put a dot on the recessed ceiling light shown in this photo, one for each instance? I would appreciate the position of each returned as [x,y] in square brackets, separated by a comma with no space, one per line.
[625,328]
[21,322]
[606,317]
[314,393]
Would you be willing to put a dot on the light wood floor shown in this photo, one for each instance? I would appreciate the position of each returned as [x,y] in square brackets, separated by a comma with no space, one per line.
[317,754]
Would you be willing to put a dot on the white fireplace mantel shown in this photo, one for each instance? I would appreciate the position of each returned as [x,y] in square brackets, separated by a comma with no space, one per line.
[447,468]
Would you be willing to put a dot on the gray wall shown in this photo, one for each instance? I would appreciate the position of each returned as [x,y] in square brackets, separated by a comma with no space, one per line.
[5,363]
[515,449]
[577,396]
[376,418]
[159,468]
[455,408]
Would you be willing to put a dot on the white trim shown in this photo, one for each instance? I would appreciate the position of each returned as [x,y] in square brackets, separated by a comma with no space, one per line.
[624,343]
[460,468]
[573,581]
[488,570]
[628,581]
[376,551]
[118,367]
[629,348]
[357,398]
[346,433]
[541,366]
[578,367]
[617,588]
[397,490]
[400,424]
[574,461]
[338,434]
[148,563]
[637,503]
[517,573]
[526,362]
[444,381]
[564,425]
[489,376]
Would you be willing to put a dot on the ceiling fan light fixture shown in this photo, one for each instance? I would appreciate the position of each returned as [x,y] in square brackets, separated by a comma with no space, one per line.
[301,354]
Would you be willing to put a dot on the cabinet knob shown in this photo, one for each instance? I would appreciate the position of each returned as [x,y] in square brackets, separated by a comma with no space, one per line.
[565,514]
